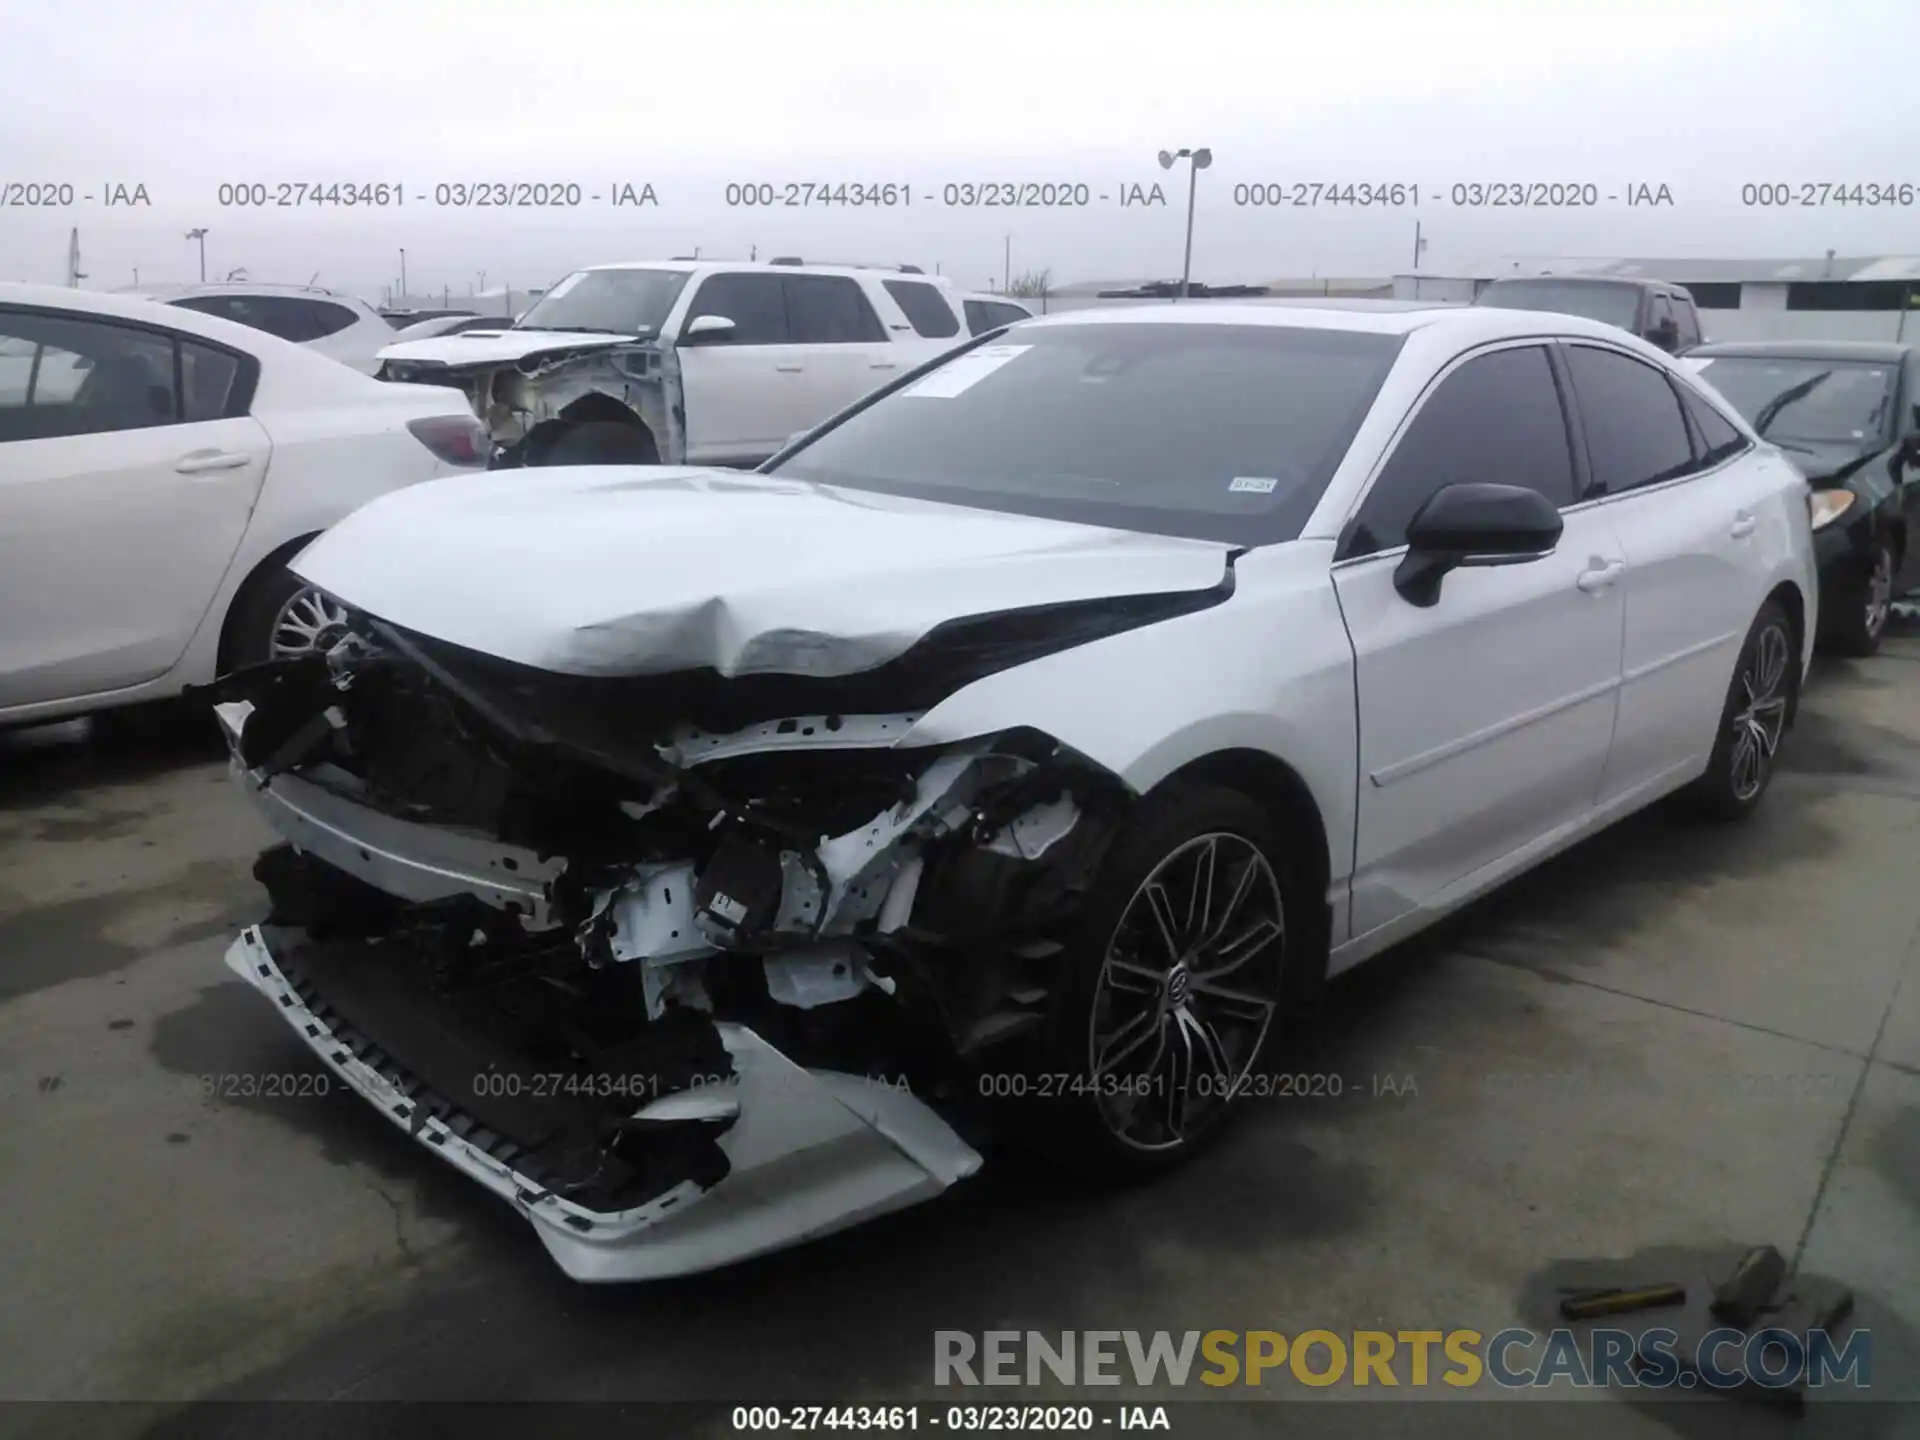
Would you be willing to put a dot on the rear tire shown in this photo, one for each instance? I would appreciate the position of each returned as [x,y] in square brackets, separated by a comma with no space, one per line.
[1861,620]
[602,442]
[1158,1018]
[1760,697]
[277,616]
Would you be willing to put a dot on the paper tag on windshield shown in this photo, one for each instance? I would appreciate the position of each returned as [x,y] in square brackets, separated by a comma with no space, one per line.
[1253,484]
[958,376]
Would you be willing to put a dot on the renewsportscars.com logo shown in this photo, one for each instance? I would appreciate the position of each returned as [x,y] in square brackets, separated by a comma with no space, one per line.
[1655,1358]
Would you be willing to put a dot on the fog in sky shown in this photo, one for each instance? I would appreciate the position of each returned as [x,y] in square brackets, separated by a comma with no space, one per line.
[1701,96]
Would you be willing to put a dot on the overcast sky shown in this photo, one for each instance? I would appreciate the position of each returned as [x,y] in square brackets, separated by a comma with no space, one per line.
[1701,96]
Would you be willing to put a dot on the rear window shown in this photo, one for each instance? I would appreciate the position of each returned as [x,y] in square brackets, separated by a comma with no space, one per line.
[1218,432]
[985,315]
[925,307]
[289,317]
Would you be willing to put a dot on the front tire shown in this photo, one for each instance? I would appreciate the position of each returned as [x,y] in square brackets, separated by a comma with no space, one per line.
[1866,604]
[1170,988]
[602,442]
[1753,719]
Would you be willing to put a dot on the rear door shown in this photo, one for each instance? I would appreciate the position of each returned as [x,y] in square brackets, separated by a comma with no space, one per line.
[847,349]
[741,394]
[1687,511]
[128,471]
[1485,718]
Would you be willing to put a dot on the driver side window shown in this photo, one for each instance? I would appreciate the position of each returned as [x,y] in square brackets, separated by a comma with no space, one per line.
[1497,419]
[757,305]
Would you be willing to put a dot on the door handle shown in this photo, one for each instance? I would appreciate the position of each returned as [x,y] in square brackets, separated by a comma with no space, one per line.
[1743,526]
[201,462]
[789,369]
[1598,577]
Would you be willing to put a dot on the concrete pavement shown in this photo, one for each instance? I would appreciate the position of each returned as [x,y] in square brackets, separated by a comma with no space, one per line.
[1670,1037]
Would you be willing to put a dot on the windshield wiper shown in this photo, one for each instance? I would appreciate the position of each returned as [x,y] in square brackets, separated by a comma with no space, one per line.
[1770,412]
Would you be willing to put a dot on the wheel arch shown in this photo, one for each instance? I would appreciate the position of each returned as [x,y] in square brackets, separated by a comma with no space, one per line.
[273,560]
[1280,790]
[593,408]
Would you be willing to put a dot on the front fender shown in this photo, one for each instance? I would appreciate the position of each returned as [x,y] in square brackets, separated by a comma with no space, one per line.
[1270,670]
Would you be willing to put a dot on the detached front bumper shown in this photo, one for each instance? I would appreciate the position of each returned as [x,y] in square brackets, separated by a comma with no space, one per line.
[807,1152]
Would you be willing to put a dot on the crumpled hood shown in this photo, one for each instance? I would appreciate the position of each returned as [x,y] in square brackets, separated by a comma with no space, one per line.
[483,347]
[638,570]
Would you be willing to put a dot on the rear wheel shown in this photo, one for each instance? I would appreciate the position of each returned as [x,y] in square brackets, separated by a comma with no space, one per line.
[279,616]
[602,442]
[1866,604]
[1167,998]
[1753,719]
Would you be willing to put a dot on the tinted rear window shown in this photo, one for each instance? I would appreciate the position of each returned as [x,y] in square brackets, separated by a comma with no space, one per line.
[1217,432]
[925,307]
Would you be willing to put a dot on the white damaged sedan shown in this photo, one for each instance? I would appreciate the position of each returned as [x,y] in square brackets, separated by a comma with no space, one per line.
[705,861]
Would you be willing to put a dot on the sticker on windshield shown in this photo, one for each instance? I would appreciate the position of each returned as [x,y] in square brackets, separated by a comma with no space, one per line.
[959,376]
[1253,484]
[565,285]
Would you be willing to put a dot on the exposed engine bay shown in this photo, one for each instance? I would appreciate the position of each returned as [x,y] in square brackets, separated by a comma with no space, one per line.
[617,945]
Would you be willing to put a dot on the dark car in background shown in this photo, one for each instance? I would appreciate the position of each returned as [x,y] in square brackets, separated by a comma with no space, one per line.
[1658,312]
[1848,414]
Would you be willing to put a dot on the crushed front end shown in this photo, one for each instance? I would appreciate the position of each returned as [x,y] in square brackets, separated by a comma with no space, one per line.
[528,402]
[686,968]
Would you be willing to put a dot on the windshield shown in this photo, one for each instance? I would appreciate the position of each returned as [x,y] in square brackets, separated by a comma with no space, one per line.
[1807,401]
[613,302]
[1611,304]
[1218,432]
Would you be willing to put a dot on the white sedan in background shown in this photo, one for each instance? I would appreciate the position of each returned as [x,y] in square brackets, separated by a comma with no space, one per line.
[1027,736]
[158,469]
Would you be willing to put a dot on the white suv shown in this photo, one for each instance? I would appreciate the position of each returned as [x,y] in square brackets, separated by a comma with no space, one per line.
[672,361]
[338,326]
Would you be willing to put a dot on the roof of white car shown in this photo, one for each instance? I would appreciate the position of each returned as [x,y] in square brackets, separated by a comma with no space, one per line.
[312,370]
[250,287]
[689,266]
[132,307]
[1470,324]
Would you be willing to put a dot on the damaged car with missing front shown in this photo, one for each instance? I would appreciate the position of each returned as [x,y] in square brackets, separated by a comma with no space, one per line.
[705,861]
[686,361]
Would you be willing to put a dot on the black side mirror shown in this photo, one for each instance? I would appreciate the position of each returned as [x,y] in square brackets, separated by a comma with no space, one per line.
[1474,526]
[1665,334]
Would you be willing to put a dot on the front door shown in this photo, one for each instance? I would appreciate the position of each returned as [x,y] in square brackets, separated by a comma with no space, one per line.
[1485,719]
[743,393]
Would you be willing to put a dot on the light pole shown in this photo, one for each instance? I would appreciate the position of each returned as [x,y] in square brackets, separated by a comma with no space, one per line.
[403,274]
[1197,160]
[201,236]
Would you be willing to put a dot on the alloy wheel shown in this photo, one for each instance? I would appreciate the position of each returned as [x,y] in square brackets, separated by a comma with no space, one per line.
[1186,991]
[308,624]
[1761,716]
[1879,592]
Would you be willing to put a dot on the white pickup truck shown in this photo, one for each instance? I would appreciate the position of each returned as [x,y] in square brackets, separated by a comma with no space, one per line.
[689,362]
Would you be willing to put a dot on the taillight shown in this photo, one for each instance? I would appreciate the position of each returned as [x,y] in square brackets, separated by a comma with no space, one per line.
[456,439]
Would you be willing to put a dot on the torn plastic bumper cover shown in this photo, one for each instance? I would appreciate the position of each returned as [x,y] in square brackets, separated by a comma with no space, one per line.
[806,1153]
